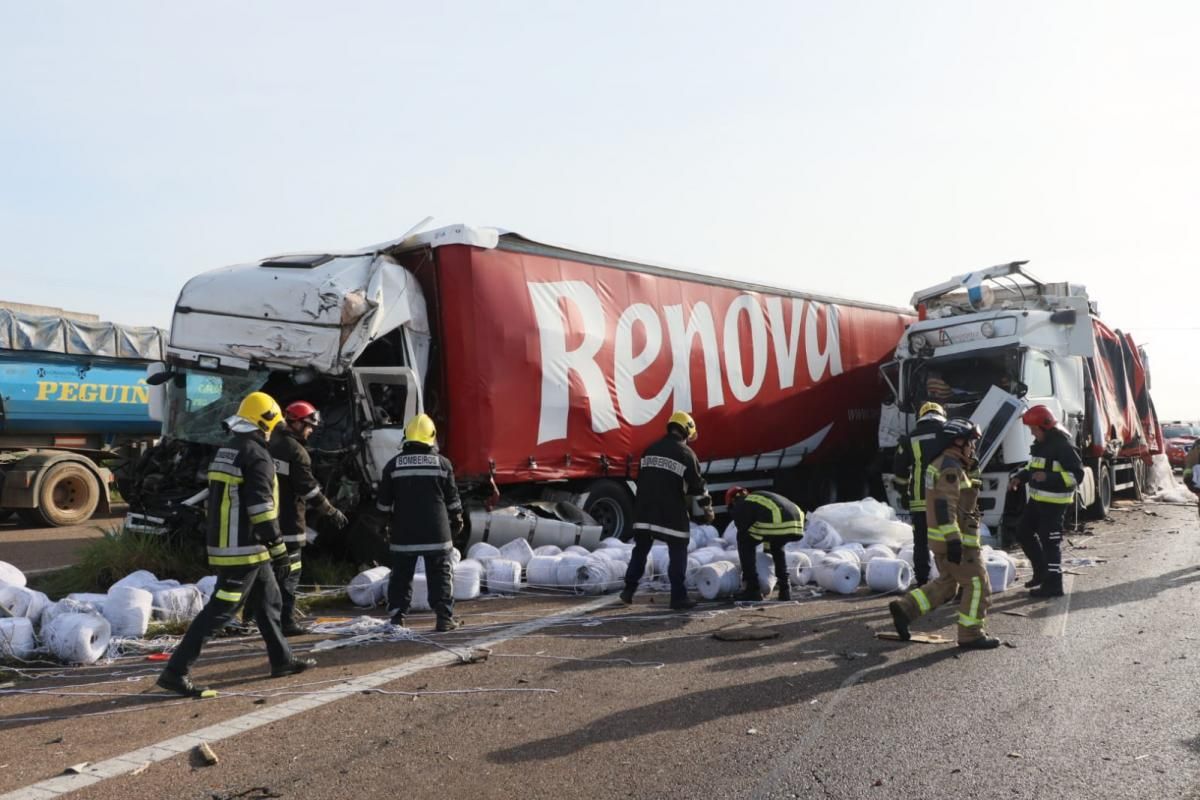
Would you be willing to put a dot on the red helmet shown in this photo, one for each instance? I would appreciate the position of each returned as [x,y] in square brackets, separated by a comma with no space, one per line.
[733,493]
[1040,417]
[302,411]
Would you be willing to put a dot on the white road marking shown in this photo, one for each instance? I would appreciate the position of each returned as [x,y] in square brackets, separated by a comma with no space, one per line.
[128,762]
[1056,625]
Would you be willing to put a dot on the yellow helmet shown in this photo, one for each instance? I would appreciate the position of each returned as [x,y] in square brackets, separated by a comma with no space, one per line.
[261,410]
[420,429]
[685,421]
[931,408]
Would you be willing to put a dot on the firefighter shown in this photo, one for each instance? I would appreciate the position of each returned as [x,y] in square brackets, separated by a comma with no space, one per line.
[243,539]
[772,520]
[668,480]
[418,491]
[914,453]
[1053,472]
[298,491]
[951,497]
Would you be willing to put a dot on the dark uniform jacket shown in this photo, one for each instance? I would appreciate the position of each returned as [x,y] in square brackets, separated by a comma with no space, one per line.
[764,515]
[1059,460]
[243,503]
[914,453]
[418,490]
[298,488]
[668,475]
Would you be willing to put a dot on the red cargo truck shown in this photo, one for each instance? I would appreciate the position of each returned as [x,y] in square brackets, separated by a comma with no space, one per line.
[547,370]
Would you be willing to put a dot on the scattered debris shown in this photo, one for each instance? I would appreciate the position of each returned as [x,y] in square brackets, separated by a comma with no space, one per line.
[1139,758]
[206,753]
[1007,643]
[141,769]
[745,633]
[1015,755]
[752,731]
[921,638]
[878,782]
[77,769]
[1016,613]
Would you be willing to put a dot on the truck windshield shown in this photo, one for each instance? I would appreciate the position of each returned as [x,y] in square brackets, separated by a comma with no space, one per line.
[198,401]
[959,383]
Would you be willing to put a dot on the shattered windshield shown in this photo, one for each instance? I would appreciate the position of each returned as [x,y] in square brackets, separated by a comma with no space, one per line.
[962,380]
[197,402]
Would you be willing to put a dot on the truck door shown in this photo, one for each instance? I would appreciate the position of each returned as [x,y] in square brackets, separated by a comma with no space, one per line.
[388,397]
[996,415]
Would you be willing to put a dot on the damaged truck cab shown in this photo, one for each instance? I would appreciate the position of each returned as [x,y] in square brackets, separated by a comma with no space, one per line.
[547,370]
[992,343]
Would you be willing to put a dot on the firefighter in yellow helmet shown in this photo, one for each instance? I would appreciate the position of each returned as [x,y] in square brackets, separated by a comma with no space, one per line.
[914,453]
[668,480]
[243,538]
[418,492]
[950,502]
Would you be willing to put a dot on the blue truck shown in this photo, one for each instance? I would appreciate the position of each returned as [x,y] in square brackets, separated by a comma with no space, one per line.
[73,405]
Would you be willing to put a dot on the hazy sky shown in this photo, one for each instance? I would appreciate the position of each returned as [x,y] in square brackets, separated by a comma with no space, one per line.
[864,149]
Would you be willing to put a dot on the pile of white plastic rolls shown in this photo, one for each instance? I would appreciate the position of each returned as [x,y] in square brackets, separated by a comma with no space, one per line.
[79,628]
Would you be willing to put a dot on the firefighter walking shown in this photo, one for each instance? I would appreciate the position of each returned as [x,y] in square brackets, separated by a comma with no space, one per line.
[298,492]
[951,497]
[668,479]
[768,519]
[913,455]
[243,538]
[1051,476]
[419,494]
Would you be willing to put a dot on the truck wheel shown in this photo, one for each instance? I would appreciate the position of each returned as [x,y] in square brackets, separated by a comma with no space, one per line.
[610,504]
[68,495]
[1099,509]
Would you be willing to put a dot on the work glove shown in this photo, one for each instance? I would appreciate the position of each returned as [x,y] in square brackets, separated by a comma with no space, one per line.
[954,551]
[456,524]
[339,520]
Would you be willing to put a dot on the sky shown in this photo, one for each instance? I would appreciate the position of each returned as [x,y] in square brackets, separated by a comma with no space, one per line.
[861,149]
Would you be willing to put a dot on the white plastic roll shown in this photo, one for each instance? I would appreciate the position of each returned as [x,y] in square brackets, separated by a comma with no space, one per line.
[16,638]
[837,575]
[888,574]
[875,551]
[90,598]
[658,561]
[766,573]
[1000,573]
[800,569]
[567,572]
[820,535]
[481,551]
[128,611]
[729,535]
[65,606]
[577,550]
[362,589]
[707,555]
[420,594]
[844,554]
[468,579]
[139,579]
[10,575]
[517,550]
[555,550]
[207,585]
[503,576]
[455,557]
[21,601]
[859,552]
[77,638]
[691,573]
[543,571]
[718,579]
[598,576]
[178,604]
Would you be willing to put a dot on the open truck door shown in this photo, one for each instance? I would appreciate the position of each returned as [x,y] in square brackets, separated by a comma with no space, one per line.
[996,415]
[388,397]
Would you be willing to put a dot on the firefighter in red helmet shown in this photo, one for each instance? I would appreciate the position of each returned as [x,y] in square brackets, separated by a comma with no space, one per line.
[1051,476]
[299,492]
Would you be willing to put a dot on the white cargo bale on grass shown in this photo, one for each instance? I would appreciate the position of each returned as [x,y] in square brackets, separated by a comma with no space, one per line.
[363,590]
[178,604]
[16,638]
[21,601]
[128,611]
[77,638]
[10,575]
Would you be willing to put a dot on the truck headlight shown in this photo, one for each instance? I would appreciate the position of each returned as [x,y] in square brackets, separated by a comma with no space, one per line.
[988,330]
[917,342]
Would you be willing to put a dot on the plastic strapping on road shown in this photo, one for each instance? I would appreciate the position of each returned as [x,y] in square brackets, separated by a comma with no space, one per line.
[128,762]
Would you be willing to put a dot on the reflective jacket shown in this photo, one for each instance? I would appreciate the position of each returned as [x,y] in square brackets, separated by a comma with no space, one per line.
[668,475]
[951,497]
[243,503]
[419,493]
[1059,460]
[913,455]
[298,488]
[764,515]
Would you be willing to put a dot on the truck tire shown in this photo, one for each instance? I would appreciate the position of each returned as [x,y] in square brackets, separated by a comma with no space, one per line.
[68,494]
[611,505]
[1099,509]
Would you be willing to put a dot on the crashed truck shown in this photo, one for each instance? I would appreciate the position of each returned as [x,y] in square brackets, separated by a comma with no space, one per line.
[991,343]
[547,371]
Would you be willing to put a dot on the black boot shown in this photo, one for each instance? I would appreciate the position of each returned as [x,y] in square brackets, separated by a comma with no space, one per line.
[1036,580]
[293,667]
[984,642]
[445,624]
[785,591]
[627,596]
[1047,590]
[751,594]
[685,604]
[182,684]
[899,620]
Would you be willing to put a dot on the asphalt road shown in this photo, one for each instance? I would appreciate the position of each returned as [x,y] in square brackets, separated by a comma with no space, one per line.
[1094,699]
[41,549]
